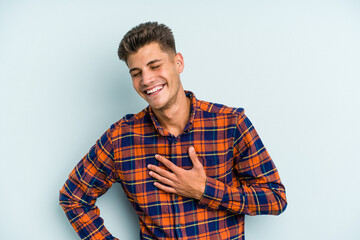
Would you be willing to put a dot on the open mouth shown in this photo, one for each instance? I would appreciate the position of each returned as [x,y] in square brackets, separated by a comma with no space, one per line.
[154,90]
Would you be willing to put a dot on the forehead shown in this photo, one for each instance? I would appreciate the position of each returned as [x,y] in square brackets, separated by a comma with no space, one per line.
[146,54]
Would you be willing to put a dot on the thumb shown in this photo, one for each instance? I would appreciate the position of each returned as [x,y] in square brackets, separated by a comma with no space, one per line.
[195,160]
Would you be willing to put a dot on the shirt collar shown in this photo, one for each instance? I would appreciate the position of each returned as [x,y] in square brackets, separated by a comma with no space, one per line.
[188,126]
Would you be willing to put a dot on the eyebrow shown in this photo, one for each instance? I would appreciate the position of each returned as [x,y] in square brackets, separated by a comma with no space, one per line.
[149,63]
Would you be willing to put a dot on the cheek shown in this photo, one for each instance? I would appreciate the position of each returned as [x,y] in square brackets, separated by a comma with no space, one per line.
[136,84]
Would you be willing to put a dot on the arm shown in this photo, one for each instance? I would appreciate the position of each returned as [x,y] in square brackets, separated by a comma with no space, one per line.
[259,190]
[91,178]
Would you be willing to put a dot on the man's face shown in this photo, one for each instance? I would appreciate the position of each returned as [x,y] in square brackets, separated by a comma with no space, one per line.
[156,75]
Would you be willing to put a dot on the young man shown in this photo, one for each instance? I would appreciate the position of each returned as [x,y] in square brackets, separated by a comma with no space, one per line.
[190,168]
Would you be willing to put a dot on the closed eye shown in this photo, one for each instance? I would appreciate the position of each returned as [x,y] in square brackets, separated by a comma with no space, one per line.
[154,67]
[135,74]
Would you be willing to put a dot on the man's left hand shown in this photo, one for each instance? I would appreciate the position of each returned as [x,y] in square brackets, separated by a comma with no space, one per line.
[186,183]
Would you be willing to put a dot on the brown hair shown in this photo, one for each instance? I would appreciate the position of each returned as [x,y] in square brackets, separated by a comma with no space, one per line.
[144,34]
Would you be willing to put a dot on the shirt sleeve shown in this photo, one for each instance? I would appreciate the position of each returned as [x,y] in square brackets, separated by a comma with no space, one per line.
[90,179]
[260,190]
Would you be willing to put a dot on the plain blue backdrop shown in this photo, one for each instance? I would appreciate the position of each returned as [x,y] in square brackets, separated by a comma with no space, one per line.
[293,65]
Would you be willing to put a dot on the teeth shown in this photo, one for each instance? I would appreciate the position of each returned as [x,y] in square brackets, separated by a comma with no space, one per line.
[154,89]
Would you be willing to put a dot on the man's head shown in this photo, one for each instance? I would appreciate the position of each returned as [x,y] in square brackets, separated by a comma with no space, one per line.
[144,34]
[149,52]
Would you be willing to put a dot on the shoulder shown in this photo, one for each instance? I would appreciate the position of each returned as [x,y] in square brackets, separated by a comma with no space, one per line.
[128,121]
[219,108]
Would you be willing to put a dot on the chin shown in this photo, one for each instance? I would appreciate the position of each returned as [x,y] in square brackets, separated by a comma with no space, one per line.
[157,106]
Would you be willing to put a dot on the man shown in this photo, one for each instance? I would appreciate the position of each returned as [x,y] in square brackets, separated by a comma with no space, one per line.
[191,169]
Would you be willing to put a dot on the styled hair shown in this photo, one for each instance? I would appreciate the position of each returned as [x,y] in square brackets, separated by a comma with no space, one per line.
[143,34]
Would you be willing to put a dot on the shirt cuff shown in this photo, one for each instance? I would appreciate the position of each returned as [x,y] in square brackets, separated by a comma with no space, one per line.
[213,194]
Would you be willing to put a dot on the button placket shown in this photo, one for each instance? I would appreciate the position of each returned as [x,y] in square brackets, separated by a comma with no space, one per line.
[175,198]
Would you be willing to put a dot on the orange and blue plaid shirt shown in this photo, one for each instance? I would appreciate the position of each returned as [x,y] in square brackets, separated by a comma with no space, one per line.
[241,177]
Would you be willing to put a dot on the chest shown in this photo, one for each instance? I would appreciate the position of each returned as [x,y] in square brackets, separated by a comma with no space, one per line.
[213,145]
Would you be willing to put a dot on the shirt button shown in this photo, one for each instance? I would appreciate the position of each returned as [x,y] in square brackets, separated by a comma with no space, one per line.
[179,225]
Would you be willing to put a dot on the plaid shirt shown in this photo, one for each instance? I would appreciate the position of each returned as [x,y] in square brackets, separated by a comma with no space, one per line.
[241,177]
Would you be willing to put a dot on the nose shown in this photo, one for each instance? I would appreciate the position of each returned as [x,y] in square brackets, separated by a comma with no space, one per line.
[147,78]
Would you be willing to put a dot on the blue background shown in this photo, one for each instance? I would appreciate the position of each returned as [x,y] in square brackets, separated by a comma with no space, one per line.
[293,65]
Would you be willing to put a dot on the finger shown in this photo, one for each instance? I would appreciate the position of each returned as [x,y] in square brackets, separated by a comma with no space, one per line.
[161,179]
[166,162]
[161,171]
[194,158]
[164,188]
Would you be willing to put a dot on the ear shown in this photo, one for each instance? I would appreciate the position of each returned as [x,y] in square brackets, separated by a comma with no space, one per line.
[179,61]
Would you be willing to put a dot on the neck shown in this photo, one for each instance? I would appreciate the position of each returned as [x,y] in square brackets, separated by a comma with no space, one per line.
[174,118]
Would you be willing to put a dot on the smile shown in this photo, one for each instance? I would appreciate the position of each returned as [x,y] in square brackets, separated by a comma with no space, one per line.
[154,90]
